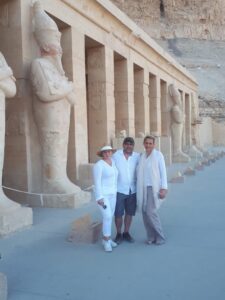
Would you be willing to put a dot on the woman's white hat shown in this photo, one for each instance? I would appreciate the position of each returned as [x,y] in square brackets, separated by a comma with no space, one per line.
[105,148]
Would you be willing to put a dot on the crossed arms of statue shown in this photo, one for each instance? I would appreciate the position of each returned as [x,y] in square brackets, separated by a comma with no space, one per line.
[49,85]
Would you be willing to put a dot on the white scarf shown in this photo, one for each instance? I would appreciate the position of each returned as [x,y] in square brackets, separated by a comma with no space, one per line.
[148,164]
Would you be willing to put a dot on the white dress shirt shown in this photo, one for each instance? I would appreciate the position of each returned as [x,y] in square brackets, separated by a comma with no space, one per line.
[105,179]
[162,170]
[127,171]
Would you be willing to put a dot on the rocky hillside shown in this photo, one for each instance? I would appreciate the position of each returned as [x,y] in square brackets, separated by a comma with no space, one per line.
[198,19]
[193,32]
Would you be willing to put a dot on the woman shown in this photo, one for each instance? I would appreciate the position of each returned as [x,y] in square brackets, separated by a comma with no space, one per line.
[105,181]
[151,189]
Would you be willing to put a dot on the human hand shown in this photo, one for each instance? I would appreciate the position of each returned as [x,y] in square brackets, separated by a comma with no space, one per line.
[101,202]
[162,193]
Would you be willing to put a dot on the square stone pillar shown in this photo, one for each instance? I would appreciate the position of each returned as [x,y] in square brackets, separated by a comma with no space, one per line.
[183,109]
[101,114]
[141,101]
[155,104]
[187,129]
[124,96]
[166,149]
[17,142]
[78,139]
[165,110]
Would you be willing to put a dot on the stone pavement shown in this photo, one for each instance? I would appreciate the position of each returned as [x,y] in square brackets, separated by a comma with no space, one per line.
[41,265]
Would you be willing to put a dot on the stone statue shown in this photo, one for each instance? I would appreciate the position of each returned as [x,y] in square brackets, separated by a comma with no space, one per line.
[123,133]
[54,95]
[177,126]
[141,134]
[193,151]
[7,90]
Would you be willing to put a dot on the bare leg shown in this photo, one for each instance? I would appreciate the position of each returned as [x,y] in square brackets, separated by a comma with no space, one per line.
[118,222]
[127,223]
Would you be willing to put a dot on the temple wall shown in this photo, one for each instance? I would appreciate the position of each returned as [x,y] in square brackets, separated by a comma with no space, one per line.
[121,79]
[206,133]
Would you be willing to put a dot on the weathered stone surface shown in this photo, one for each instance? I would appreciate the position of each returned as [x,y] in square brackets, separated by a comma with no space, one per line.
[206,162]
[3,287]
[199,166]
[177,178]
[189,171]
[15,219]
[125,75]
[85,231]
[178,18]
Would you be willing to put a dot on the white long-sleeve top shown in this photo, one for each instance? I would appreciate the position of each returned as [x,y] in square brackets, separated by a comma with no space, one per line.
[127,176]
[105,179]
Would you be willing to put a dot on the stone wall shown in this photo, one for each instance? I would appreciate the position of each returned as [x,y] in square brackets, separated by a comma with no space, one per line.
[198,19]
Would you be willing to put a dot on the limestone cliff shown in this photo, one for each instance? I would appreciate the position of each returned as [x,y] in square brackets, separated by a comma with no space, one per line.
[199,19]
[193,31]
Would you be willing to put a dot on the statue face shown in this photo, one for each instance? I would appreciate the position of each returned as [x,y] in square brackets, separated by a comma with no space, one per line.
[50,42]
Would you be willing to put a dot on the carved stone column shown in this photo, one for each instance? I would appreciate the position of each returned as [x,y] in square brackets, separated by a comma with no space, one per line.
[141,101]
[155,104]
[124,96]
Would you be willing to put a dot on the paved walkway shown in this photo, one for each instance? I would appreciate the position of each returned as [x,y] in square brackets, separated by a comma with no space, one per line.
[41,265]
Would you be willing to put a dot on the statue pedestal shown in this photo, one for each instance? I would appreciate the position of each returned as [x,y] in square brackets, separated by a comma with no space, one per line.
[194,152]
[53,200]
[3,287]
[67,201]
[15,219]
[181,158]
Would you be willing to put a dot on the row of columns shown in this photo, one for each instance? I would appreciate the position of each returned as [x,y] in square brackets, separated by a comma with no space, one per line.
[125,96]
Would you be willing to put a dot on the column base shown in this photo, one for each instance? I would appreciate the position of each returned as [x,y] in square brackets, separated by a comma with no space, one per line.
[15,219]
[181,158]
[60,201]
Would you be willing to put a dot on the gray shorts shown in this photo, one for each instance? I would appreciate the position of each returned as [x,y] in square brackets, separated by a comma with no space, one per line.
[127,203]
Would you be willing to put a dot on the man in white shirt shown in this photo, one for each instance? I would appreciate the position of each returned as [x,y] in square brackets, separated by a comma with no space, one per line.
[151,190]
[126,161]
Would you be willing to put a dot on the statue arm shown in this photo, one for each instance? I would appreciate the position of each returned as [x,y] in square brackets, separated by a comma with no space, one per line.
[177,114]
[71,98]
[5,72]
[45,89]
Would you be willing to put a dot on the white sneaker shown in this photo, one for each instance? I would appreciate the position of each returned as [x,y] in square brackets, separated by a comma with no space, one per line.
[107,245]
[113,244]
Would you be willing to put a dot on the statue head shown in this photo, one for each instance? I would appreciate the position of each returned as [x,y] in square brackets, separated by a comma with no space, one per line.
[175,94]
[46,31]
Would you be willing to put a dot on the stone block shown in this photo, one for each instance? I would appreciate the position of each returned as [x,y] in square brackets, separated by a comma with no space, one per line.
[85,175]
[199,166]
[85,231]
[189,171]
[67,201]
[206,162]
[59,201]
[166,149]
[177,178]
[3,287]
[15,219]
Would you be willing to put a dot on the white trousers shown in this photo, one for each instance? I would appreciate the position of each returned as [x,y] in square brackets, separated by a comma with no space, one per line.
[108,214]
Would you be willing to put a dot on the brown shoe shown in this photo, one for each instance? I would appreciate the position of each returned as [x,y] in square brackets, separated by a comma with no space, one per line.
[127,237]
